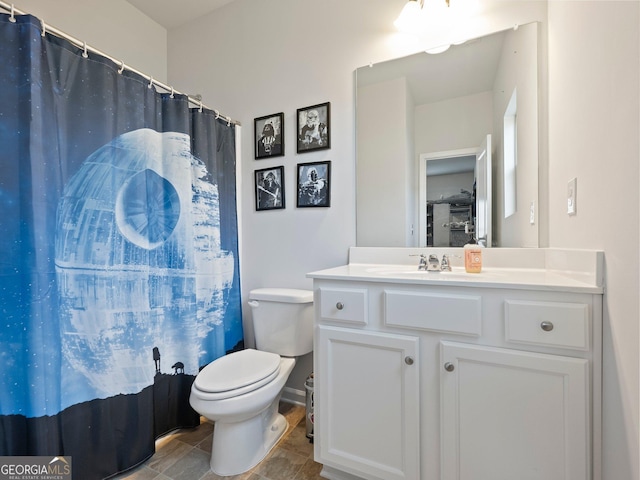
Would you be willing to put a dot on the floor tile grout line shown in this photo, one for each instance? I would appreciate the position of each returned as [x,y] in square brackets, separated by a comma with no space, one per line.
[175,460]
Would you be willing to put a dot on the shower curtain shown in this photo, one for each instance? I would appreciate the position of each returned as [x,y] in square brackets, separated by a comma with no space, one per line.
[119,269]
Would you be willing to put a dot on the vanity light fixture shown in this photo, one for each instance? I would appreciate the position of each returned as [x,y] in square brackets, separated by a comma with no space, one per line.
[436,50]
[410,18]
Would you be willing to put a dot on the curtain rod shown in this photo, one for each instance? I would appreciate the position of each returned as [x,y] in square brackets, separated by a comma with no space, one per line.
[80,44]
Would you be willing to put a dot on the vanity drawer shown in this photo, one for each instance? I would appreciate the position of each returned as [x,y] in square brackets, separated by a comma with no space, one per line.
[347,305]
[442,312]
[564,325]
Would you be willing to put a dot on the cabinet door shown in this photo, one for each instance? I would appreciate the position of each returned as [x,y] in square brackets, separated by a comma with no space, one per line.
[509,414]
[367,403]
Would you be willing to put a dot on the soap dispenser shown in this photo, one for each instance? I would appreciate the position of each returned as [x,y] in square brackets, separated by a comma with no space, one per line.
[472,257]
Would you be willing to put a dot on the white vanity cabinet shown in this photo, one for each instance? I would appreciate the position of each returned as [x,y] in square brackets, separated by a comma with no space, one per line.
[510,414]
[370,402]
[366,389]
[446,381]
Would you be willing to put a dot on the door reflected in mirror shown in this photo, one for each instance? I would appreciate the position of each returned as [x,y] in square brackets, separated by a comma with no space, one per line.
[455,197]
[415,108]
[449,213]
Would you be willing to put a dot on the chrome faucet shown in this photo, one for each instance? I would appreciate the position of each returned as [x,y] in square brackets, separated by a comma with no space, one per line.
[434,264]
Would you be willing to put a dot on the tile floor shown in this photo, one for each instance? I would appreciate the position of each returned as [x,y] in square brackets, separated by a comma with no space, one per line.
[184,455]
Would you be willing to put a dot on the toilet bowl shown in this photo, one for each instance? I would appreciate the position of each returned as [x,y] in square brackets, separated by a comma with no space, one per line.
[247,423]
[240,392]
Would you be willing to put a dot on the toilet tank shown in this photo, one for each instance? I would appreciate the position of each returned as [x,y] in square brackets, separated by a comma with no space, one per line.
[282,320]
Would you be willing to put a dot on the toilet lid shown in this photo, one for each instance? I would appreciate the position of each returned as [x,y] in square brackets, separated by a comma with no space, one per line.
[238,370]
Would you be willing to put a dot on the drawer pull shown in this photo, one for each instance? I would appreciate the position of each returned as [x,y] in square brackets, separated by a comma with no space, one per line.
[408,360]
[449,367]
[546,326]
[339,305]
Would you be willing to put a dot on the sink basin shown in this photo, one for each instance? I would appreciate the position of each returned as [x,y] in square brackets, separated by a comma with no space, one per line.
[412,271]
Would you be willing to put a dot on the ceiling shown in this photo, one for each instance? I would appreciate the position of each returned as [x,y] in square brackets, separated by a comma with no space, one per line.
[462,70]
[173,13]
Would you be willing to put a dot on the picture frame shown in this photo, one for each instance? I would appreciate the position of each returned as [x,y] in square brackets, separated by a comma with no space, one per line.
[313,127]
[269,188]
[314,184]
[268,132]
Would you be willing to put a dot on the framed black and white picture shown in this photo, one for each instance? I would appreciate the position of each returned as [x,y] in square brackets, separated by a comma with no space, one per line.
[314,184]
[269,188]
[269,136]
[314,127]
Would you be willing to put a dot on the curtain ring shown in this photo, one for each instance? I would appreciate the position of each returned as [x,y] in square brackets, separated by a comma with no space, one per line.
[172,92]
[121,69]
[44,28]
[150,83]
[84,47]
[217,114]
[12,18]
[200,106]
[228,122]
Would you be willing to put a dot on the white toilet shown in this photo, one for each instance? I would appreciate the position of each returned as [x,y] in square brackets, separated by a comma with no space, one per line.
[240,392]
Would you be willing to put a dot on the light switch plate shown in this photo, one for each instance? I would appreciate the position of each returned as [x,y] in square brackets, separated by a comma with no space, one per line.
[572,196]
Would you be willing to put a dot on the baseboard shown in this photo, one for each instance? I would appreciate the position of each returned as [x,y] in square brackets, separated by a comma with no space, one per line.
[292,395]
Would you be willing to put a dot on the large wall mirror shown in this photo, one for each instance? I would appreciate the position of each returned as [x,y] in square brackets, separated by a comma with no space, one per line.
[447,145]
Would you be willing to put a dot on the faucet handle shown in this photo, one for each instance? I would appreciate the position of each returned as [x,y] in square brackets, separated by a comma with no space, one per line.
[423,260]
[445,266]
[434,263]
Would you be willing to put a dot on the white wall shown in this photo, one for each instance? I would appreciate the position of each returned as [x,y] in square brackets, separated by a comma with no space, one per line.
[518,67]
[114,27]
[453,124]
[382,115]
[594,129]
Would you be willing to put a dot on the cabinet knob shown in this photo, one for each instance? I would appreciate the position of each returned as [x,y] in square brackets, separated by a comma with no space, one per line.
[339,305]
[449,367]
[546,326]
[408,360]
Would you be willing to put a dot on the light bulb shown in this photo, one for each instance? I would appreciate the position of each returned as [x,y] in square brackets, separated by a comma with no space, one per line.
[409,20]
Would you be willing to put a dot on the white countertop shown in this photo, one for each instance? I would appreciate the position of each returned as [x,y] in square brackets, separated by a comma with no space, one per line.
[532,275]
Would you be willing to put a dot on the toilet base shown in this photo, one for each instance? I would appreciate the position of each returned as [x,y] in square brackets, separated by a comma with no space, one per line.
[238,447]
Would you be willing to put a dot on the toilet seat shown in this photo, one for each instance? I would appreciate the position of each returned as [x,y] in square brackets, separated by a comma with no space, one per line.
[237,373]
